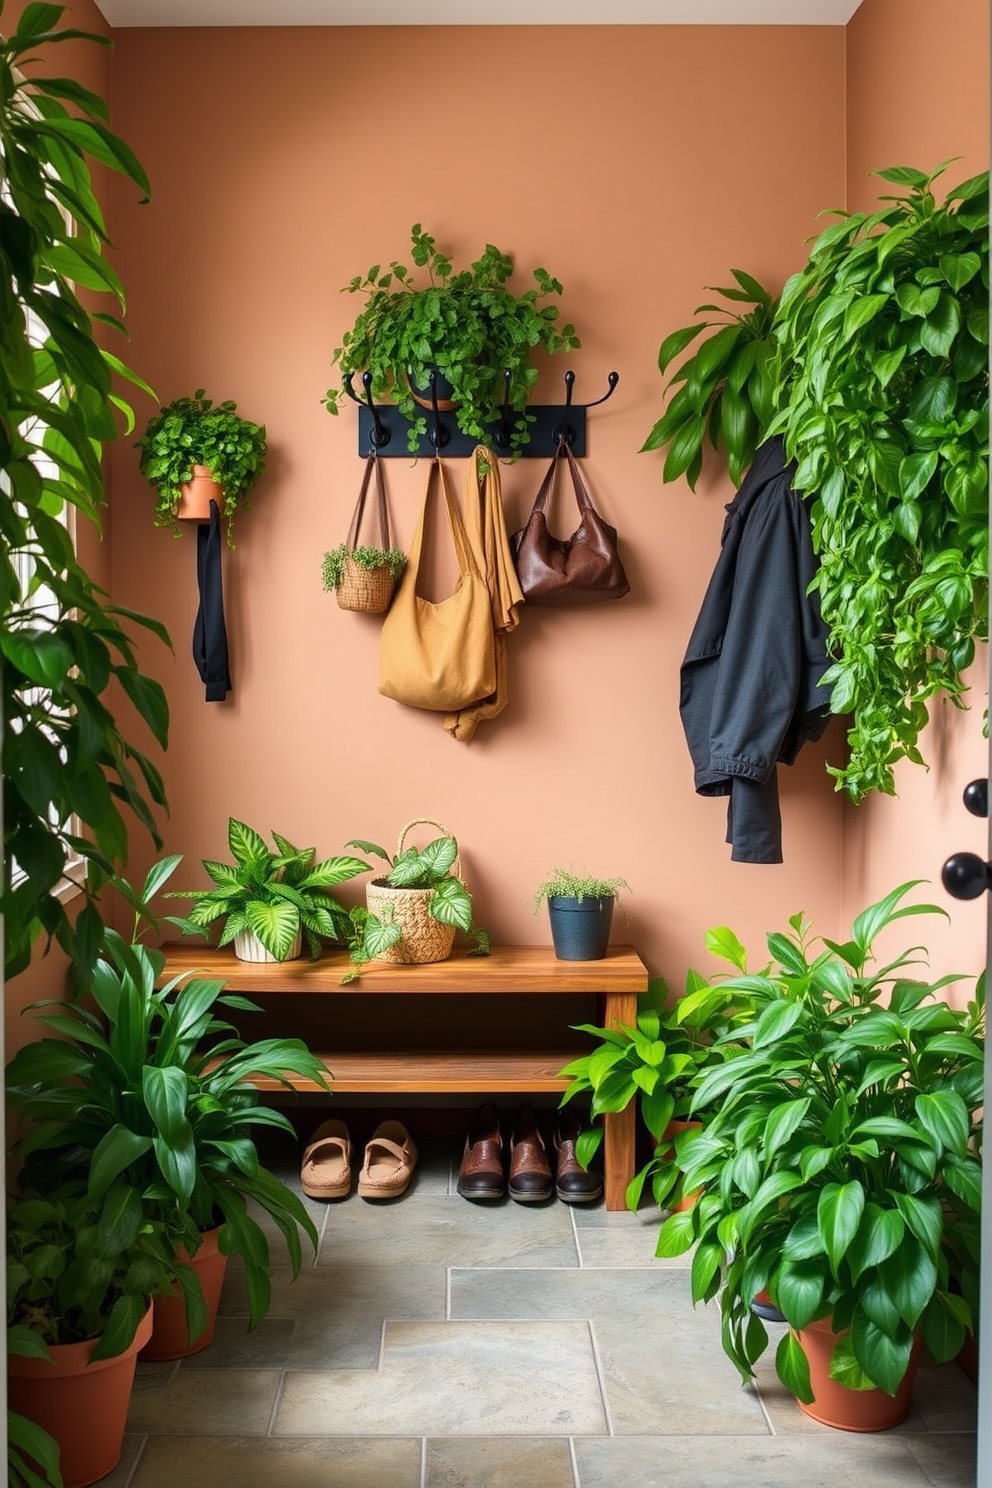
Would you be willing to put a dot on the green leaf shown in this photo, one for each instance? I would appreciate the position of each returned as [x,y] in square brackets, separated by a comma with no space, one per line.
[945,1116]
[838,1213]
[677,342]
[792,1367]
[915,472]
[884,1359]
[878,1236]
[860,312]
[941,325]
[782,1123]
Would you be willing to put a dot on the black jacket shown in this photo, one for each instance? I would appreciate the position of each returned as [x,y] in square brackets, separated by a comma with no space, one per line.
[751,693]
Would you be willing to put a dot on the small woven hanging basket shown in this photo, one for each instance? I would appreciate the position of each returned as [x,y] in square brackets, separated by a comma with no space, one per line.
[367,589]
[424,938]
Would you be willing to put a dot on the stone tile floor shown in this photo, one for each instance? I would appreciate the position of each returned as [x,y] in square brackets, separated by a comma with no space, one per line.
[435,1343]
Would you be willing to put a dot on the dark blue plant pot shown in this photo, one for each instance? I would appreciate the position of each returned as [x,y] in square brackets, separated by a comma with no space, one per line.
[580,928]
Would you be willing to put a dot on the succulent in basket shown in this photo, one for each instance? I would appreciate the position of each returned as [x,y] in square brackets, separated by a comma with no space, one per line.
[840,1164]
[275,895]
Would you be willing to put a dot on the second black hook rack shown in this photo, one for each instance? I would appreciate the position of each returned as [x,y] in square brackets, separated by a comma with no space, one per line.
[381,426]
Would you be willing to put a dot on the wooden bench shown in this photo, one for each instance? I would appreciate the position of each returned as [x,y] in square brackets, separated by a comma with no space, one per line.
[520,970]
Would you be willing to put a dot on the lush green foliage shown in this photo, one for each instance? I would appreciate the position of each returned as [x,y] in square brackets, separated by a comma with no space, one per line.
[192,431]
[63,753]
[32,1455]
[468,326]
[880,391]
[81,1268]
[839,1165]
[144,1098]
[273,894]
[727,387]
[430,867]
[564,883]
[332,568]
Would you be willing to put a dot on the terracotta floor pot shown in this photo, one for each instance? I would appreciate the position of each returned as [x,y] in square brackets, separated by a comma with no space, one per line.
[968,1357]
[672,1130]
[83,1406]
[170,1336]
[850,1410]
[195,496]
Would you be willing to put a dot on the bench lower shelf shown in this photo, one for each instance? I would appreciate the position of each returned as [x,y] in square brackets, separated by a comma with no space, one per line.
[447,1072]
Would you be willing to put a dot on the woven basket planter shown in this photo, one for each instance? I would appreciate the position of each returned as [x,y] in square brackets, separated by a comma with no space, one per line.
[369,590]
[424,938]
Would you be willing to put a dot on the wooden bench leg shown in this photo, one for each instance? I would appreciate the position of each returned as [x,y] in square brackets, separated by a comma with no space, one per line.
[619,1127]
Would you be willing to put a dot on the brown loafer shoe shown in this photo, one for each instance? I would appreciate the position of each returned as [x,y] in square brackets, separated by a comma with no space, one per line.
[530,1172]
[574,1184]
[481,1173]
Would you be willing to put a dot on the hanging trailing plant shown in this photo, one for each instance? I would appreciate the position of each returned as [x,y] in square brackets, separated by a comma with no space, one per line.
[880,393]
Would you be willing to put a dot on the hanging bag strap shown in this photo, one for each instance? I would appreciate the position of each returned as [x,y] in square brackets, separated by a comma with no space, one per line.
[542,500]
[372,463]
[464,553]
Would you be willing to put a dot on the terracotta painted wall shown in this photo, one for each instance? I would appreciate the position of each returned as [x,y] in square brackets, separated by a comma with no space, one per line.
[945,113]
[638,165]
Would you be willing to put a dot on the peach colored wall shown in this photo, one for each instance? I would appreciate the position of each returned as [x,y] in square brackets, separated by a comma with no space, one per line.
[637,164]
[945,112]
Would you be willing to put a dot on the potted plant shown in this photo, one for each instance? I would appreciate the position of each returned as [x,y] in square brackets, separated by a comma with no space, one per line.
[270,901]
[80,1273]
[190,440]
[362,577]
[467,327]
[889,314]
[149,1099]
[656,1063]
[839,1167]
[580,908]
[414,910]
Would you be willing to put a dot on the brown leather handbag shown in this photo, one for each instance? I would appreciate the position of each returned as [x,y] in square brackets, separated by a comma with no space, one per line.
[576,570]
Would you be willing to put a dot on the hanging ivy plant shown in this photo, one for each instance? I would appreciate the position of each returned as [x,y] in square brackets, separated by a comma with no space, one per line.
[880,393]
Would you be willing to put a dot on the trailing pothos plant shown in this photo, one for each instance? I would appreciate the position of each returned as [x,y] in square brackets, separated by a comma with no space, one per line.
[877,357]
[840,1163]
[68,769]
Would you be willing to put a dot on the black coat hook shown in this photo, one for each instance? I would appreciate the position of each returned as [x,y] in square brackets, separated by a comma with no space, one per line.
[564,433]
[437,433]
[379,435]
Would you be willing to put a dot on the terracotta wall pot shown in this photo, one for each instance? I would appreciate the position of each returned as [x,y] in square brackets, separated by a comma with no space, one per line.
[442,388]
[672,1130]
[248,947]
[580,928]
[850,1410]
[196,495]
[83,1406]
[170,1336]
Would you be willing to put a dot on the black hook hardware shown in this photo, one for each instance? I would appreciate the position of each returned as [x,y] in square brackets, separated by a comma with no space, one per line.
[565,434]
[503,429]
[437,433]
[379,435]
[976,797]
[965,875]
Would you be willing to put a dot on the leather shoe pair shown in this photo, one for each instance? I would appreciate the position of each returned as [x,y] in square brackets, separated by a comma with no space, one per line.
[482,1173]
[574,1184]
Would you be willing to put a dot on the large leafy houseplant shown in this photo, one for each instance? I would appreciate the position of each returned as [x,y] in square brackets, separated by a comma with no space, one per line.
[275,895]
[195,431]
[466,326]
[840,1164]
[68,769]
[873,367]
[146,1098]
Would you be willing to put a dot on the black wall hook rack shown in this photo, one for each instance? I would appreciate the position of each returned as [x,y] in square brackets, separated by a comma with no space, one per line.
[383,428]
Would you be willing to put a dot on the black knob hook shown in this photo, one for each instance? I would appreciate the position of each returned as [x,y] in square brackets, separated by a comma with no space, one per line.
[976,797]
[966,876]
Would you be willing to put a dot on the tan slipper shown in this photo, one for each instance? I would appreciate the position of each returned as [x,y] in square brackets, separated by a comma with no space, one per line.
[325,1172]
[390,1158]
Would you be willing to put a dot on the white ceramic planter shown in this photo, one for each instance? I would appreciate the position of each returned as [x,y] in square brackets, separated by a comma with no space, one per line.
[248,947]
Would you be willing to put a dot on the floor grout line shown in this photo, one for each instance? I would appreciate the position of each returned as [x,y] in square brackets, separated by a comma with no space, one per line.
[600,1379]
[276,1402]
[764,1409]
[573,1459]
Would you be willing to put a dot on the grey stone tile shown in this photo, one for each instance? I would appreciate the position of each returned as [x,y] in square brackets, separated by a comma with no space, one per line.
[618,1238]
[328,1318]
[947,1459]
[833,1460]
[498,1462]
[662,1361]
[449,1229]
[457,1379]
[216,1462]
[236,1401]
